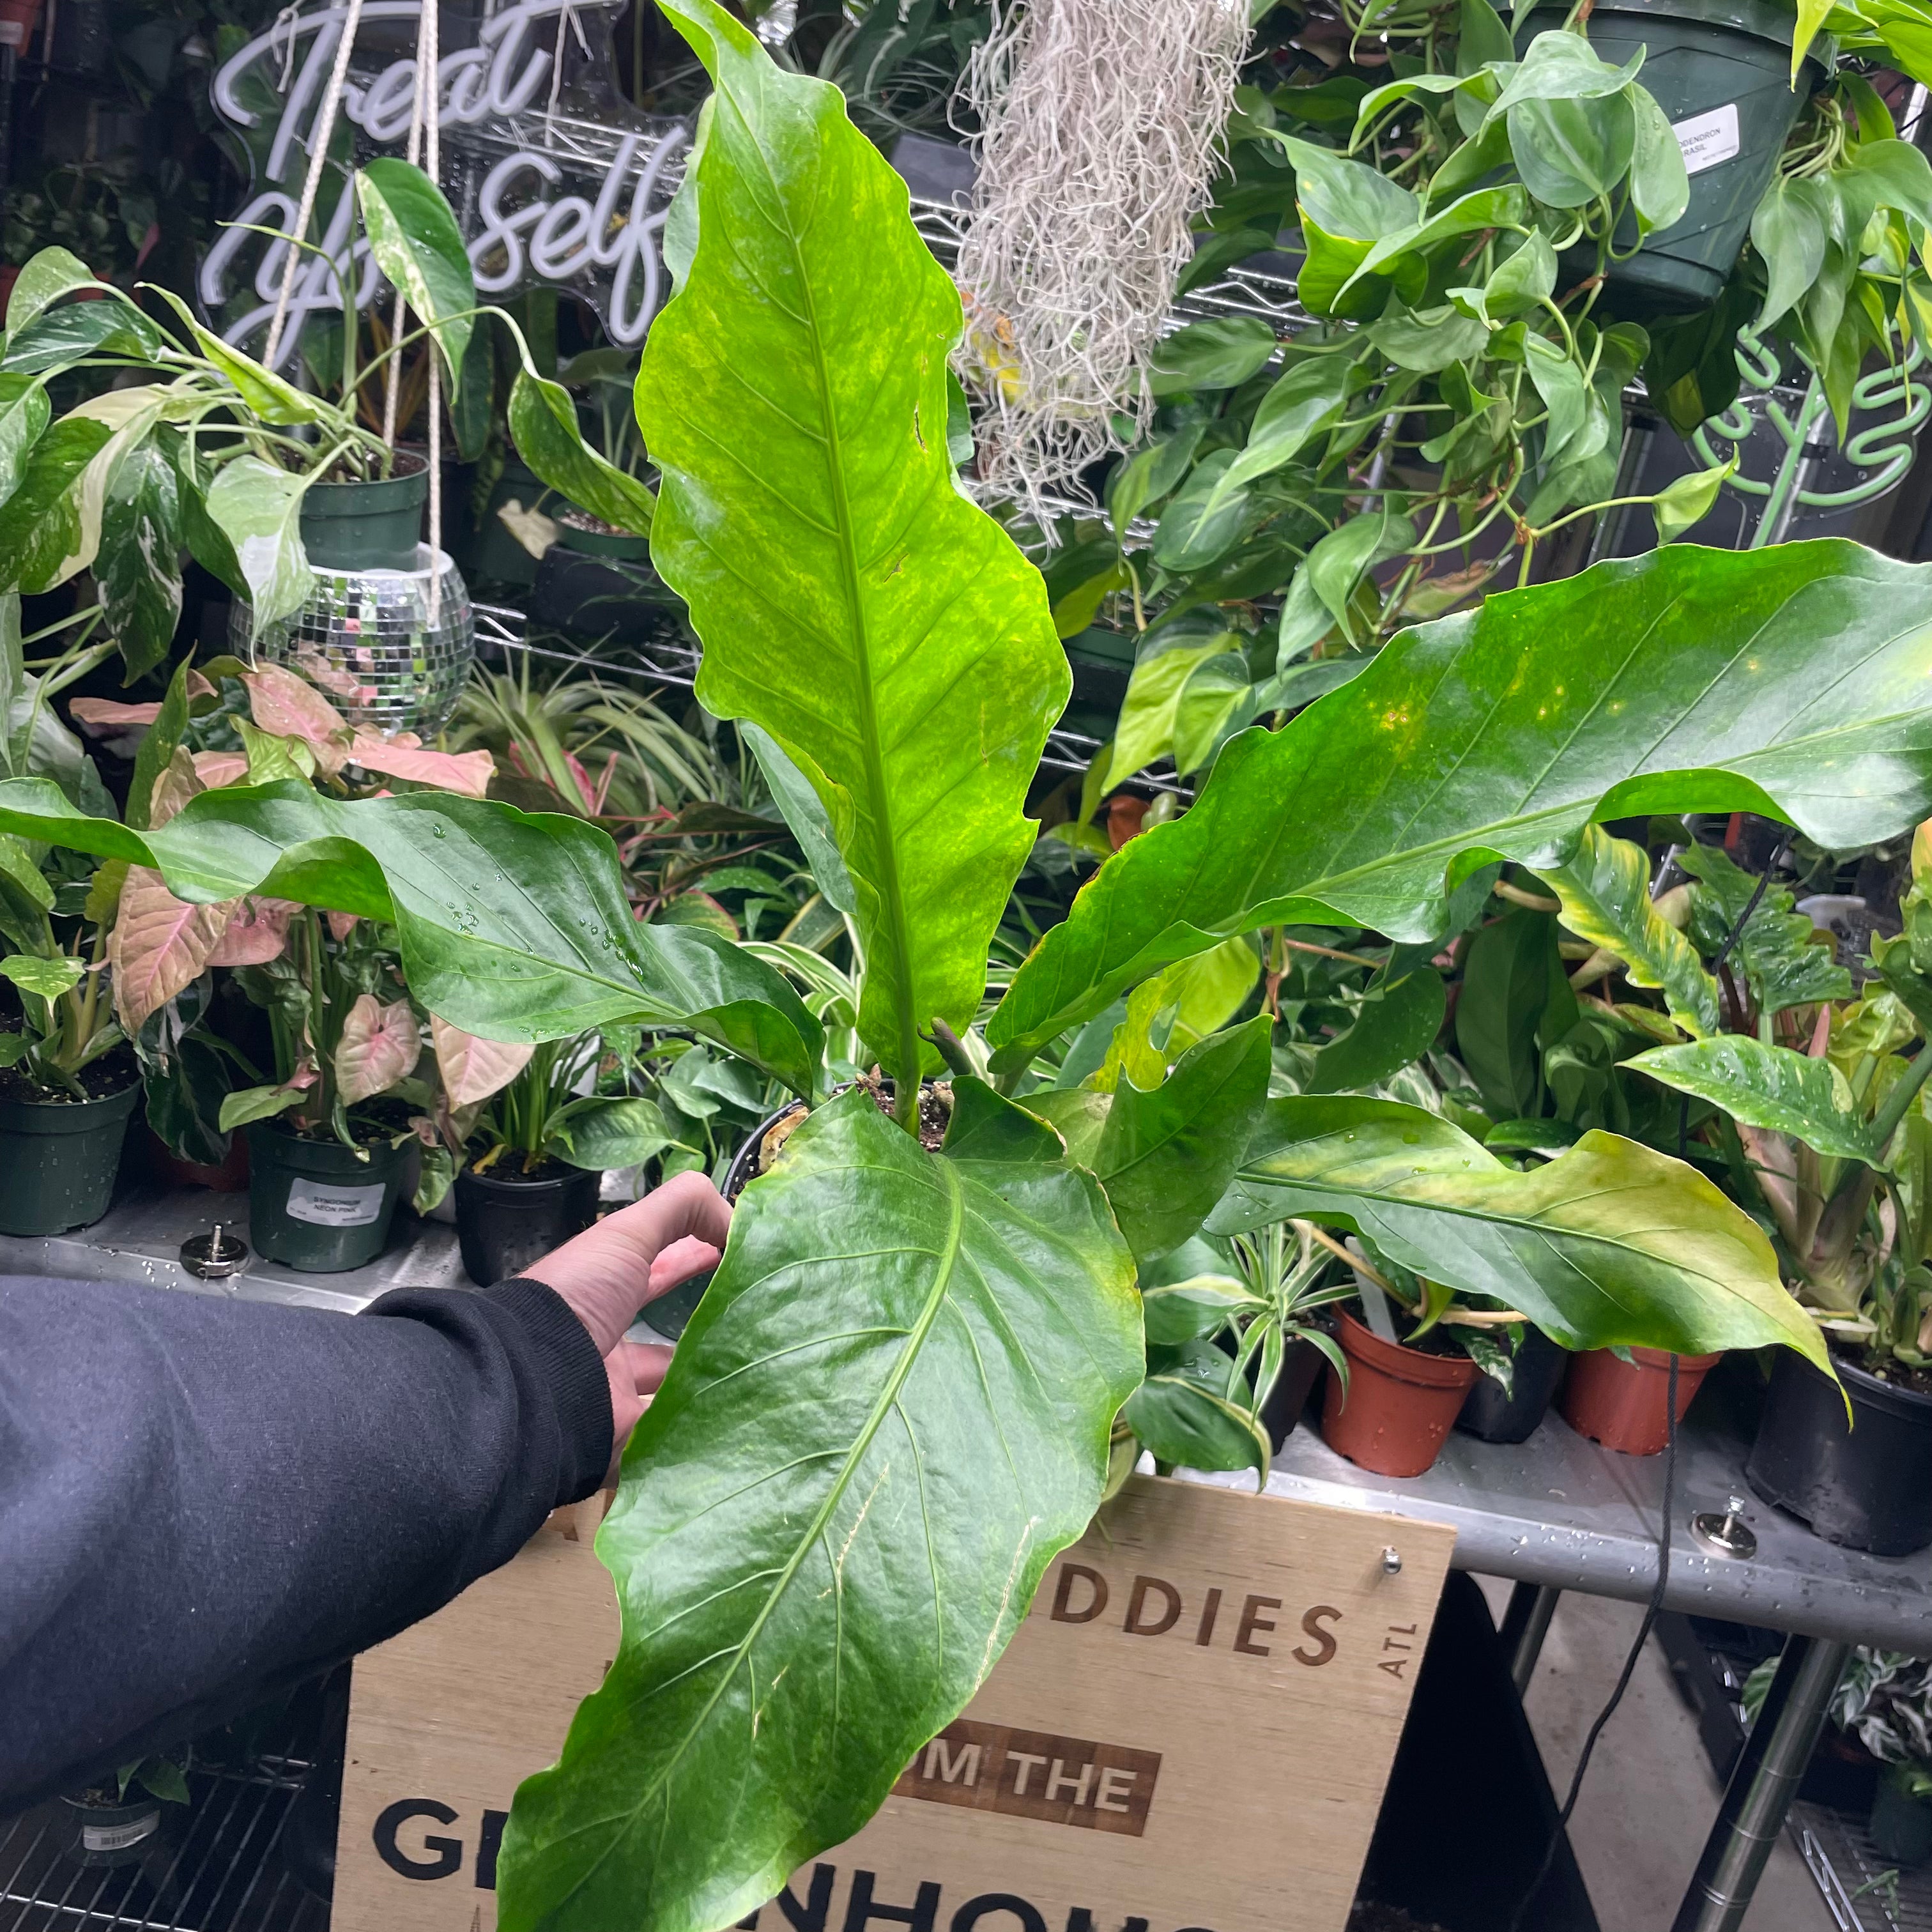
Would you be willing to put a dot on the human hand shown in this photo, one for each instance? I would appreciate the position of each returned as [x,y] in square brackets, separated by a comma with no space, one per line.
[609,1272]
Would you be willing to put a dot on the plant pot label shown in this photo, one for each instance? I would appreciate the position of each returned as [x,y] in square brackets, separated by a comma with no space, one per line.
[326,1204]
[118,1838]
[1204,1669]
[1707,138]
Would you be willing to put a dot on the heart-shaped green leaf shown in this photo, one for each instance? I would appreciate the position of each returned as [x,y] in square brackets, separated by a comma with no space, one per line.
[805,1600]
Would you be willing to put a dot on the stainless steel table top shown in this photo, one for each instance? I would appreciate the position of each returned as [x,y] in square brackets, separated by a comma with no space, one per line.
[1557,1510]
[1560,1510]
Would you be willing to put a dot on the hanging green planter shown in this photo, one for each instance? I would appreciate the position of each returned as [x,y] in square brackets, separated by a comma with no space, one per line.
[1720,71]
[58,1159]
[372,525]
[318,1205]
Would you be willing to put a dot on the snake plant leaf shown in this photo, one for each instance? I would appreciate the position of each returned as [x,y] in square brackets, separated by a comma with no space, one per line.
[1610,1244]
[851,600]
[1606,894]
[808,1595]
[417,244]
[1688,680]
[1166,1157]
[1771,1087]
[513,925]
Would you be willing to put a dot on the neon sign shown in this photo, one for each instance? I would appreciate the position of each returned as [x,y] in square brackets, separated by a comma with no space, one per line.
[555,180]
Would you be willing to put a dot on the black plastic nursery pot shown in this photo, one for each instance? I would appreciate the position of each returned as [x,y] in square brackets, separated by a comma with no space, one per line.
[101,1835]
[58,1159]
[1868,1486]
[1720,70]
[1491,1416]
[505,1222]
[318,1205]
[375,525]
[593,538]
[1900,1828]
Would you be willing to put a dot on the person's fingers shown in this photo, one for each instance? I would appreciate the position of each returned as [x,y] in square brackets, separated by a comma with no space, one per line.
[645,1363]
[679,1262]
[605,1273]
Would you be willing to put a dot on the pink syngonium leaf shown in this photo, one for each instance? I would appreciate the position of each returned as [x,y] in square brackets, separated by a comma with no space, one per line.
[160,944]
[469,772]
[341,925]
[217,769]
[257,933]
[319,670]
[284,704]
[176,782]
[473,1069]
[380,1046]
[97,716]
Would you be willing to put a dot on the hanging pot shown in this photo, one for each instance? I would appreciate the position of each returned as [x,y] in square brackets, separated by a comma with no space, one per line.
[1624,1405]
[1900,1829]
[1720,70]
[1491,1416]
[58,1159]
[318,1205]
[374,526]
[1400,1404]
[1867,1486]
[102,1835]
[504,1221]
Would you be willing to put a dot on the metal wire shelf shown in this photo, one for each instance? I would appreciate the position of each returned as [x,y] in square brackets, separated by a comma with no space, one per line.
[214,1869]
[1842,1860]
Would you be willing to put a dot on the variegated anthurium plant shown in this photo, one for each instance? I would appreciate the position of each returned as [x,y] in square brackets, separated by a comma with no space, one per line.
[893,1405]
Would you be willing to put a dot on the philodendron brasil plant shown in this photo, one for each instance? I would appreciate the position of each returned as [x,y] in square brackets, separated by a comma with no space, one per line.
[894,1405]
[217,454]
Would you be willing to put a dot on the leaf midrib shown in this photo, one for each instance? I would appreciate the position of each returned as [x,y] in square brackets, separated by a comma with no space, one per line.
[885,1403]
[892,896]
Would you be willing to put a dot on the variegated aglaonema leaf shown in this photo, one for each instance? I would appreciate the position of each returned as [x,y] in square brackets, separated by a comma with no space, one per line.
[513,925]
[1610,1244]
[851,599]
[889,1413]
[1771,1088]
[1688,680]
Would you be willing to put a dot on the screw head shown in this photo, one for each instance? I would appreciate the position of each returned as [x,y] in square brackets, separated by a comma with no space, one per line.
[1392,1561]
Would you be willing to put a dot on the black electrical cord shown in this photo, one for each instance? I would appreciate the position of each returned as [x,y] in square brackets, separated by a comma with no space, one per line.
[1654,1608]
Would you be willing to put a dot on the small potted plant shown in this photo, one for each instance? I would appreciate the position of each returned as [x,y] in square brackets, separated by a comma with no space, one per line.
[111,1822]
[1884,1701]
[534,1134]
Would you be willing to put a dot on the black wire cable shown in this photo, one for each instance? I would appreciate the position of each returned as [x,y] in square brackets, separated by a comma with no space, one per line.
[1654,1608]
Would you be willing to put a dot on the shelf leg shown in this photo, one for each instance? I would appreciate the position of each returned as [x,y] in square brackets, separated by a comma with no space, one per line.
[1526,1623]
[1762,1786]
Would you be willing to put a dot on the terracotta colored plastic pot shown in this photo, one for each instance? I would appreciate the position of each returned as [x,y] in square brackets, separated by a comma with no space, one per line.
[1401,1403]
[229,1176]
[1625,1407]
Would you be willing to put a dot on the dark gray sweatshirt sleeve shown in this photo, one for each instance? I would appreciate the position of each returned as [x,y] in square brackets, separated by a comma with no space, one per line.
[203,1501]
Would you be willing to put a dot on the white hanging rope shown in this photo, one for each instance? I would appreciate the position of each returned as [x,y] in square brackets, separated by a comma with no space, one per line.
[428,56]
[321,131]
[1102,124]
[392,378]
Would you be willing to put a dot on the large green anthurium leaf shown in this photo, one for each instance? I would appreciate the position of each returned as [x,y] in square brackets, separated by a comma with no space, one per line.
[1166,1157]
[1687,680]
[1771,1087]
[417,243]
[851,600]
[1606,894]
[513,925]
[812,1585]
[1611,1244]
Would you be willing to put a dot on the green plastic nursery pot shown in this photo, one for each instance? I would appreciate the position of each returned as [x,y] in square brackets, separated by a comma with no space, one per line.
[1720,70]
[318,1205]
[58,1159]
[374,526]
[601,542]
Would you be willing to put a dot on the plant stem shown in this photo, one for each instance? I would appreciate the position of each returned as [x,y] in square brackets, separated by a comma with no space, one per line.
[1885,1123]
